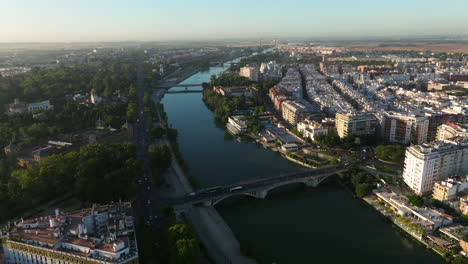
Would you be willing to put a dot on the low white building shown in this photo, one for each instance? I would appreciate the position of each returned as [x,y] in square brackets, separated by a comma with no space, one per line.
[427,218]
[311,129]
[290,147]
[237,124]
[40,106]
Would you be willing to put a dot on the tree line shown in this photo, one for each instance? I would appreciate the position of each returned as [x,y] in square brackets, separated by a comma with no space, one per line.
[96,173]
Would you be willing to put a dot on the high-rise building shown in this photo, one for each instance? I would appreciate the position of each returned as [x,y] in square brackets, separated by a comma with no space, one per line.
[357,124]
[101,234]
[250,72]
[403,128]
[435,161]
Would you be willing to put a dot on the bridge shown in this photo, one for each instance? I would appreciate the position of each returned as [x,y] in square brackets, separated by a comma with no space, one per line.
[184,91]
[259,188]
[171,85]
[222,63]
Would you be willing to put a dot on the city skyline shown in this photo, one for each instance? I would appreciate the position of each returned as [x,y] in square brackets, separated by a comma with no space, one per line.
[59,21]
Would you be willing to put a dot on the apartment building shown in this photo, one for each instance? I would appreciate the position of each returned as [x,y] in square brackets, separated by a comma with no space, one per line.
[447,190]
[250,72]
[404,128]
[102,234]
[294,111]
[357,124]
[464,205]
[431,162]
[450,130]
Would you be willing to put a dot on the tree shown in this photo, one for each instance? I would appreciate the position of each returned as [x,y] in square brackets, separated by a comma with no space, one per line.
[184,244]
[459,259]
[363,189]
[393,153]
[415,200]
[157,132]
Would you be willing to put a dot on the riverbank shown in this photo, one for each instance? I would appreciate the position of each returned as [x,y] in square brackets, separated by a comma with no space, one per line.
[218,239]
[389,216]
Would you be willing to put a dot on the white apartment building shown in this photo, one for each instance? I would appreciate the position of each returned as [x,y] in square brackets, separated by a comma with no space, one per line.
[427,163]
[250,72]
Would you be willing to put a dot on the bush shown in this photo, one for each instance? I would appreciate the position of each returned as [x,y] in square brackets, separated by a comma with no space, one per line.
[415,200]
[363,189]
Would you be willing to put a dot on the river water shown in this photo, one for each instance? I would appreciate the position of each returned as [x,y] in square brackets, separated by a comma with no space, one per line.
[309,225]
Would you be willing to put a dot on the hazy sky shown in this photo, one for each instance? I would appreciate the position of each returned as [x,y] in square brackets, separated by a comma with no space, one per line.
[114,20]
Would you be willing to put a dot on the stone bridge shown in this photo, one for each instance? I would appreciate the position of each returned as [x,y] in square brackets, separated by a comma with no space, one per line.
[260,188]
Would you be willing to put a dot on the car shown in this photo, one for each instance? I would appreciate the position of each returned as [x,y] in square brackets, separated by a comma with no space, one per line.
[192,194]
[149,201]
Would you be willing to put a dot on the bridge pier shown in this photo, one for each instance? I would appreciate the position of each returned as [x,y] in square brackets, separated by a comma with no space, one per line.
[312,183]
[261,194]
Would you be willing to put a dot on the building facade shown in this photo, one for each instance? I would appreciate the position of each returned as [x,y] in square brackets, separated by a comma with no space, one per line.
[427,163]
[103,234]
[450,130]
[447,190]
[357,124]
[294,111]
[403,129]
[311,129]
[250,72]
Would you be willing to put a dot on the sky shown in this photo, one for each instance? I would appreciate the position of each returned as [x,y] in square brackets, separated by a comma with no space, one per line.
[155,20]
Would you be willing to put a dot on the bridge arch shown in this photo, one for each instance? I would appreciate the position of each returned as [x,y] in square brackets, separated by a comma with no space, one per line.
[218,200]
[284,184]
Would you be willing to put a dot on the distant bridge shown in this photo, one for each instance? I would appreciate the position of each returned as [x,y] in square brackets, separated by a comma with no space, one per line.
[184,91]
[259,188]
[171,85]
[221,63]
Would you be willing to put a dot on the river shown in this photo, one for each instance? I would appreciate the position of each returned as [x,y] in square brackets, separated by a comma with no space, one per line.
[309,225]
